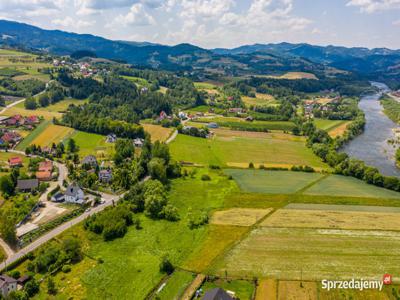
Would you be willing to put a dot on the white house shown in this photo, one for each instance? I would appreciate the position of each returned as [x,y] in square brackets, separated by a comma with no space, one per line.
[7,285]
[74,194]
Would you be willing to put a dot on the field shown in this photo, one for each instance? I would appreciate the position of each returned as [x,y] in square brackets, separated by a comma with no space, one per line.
[158,133]
[239,216]
[237,148]
[328,125]
[287,182]
[92,144]
[292,218]
[141,82]
[340,130]
[272,182]
[18,110]
[24,63]
[241,124]
[33,135]
[176,285]
[205,85]
[62,105]
[259,100]
[52,134]
[296,75]
[337,185]
[292,253]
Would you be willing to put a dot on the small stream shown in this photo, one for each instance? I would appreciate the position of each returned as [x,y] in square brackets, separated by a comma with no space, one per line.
[372,146]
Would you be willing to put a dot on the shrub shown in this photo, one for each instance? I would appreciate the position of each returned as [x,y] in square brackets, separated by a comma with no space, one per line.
[66,269]
[32,287]
[251,165]
[166,266]
[205,177]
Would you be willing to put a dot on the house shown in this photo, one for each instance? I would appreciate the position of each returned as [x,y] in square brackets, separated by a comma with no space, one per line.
[144,90]
[105,175]
[43,175]
[249,119]
[3,119]
[15,162]
[111,138]
[90,160]
[27,185]
[31,120]
[11,137]
[23,280]
[7,285]
[237,110]
[217,294]
[58,197]
[212,125]
[138,142]
[163,115]
[182,115]
[74,194]
[45,166]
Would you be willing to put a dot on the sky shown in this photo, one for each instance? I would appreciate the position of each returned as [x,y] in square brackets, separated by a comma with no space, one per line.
[219,23]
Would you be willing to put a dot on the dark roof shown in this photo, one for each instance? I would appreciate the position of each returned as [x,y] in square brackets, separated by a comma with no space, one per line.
[58,196]
[24,279]
[216,294]
[72,190]
[27,184]
[90,159]
[4,280]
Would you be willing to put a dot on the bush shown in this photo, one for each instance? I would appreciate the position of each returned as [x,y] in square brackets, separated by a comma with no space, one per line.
[205,177]
[66,269]
[166,266]
[251,165]
[32,287]
[170,213]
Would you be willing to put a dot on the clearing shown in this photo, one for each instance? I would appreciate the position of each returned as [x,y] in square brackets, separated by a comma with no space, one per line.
[237,148]
[92,144]
[239,216]
[157,132]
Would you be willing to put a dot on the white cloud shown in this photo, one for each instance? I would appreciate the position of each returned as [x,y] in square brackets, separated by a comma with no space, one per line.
[396,23]
[137,16]
[69,22]
[371,6]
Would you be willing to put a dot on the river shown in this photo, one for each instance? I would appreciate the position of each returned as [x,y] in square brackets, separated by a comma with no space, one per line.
[372,146]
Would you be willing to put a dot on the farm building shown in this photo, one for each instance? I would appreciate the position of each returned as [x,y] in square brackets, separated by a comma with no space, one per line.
[45,166]
[138,142]
[27,185]
[7,285]
[15,162]
[43,175]
[217,294]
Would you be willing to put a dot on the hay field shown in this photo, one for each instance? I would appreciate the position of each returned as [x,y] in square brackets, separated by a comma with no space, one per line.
[296,218]
[53,134]
[260,100]
[267,289]
[337,185]
[157,132]
[339,130]
[296,75]
[17,110]
[225,150]
[272,182]
[328,125]
[313,254]
[239,216]
[296,290]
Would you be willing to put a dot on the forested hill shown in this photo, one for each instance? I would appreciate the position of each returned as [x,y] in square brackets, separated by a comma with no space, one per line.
[377,64]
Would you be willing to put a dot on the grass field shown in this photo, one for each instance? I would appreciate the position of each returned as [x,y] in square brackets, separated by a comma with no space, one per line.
[52,134]
[62,106]
[293,218]
[296,75]
[20,110]
[205,85]
[33,135]
[237,148]
[266,290]
[272,182]
[141,82]
[176,285]
[239,216]
[157,132]
[339,130]
[328,125]
[337,185]
[289,253]
[259,100]
[92,144]
[288,182]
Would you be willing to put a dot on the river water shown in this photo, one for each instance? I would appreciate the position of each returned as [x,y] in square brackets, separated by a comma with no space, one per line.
[372,146]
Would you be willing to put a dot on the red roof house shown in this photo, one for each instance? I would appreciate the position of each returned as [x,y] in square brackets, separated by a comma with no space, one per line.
[15,161]
[45,166]
[43,175]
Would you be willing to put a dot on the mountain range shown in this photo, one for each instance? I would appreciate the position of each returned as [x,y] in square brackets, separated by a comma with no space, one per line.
[244,60]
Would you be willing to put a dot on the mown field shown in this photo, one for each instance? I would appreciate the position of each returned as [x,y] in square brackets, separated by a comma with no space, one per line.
[328,125]
[92,144]
[241,124]
[20,110]
[62,105]
[287,182]
[52,134]
[238,149]
[33,135]
[157,132]
[259,100]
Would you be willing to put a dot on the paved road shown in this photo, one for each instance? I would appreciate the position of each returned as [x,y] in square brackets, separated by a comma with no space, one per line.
[20,101]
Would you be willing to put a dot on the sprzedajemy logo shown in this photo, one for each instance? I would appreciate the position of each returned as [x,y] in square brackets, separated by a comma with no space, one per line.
[357,284]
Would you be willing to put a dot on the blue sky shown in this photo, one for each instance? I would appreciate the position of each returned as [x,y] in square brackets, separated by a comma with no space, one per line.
[219,23]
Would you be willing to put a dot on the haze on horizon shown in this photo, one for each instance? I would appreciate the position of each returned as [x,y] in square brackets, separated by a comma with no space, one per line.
[219,23]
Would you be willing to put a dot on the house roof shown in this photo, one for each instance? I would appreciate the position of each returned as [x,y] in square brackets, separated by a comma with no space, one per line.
[216,294]
[43,174]
[90,159]
[5,280]
[58,196]
[15,160]
[72,190]
[27,184]
[45,165]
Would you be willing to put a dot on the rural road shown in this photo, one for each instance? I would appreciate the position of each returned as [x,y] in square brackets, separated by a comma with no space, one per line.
[172,137]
